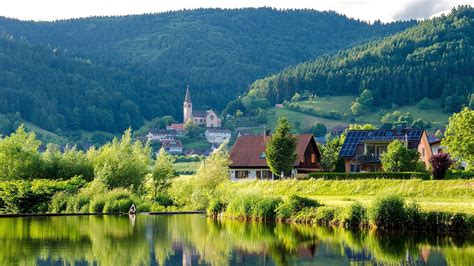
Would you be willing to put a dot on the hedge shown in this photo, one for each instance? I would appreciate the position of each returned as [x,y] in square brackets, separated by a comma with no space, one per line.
[367,175]
[459,174]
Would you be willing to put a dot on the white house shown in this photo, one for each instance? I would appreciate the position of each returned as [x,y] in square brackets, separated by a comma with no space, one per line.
[217,135]
[155,134]
[172,146]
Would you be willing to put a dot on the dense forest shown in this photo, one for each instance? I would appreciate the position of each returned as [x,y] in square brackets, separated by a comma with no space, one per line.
[106,73]
[54,89]
[434,59]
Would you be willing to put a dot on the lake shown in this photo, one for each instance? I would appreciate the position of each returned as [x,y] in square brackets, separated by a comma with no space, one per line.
[197,240]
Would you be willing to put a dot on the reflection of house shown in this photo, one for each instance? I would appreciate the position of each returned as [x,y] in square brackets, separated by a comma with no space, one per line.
[172,146]
[217,135]
[155,134]
[248,157]
[362,148]
[199,117]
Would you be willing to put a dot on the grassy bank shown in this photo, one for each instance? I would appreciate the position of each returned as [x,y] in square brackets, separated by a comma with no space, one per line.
[431,195]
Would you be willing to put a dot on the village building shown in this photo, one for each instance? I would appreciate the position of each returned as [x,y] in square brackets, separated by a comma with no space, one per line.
[172,146]
[248,157]
[217,135]
[362,149]
[156,134]
[200,117]
[178,127]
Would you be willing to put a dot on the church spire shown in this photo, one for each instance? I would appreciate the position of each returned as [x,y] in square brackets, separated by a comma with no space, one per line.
[187,99]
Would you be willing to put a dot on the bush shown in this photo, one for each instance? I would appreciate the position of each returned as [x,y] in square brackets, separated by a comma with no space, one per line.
[97,204]
[388,212]
[414,217]
[459,174]
[353,216]
[215,208]
[324,215]
[59,202]
[440,164]
[252,207]
[368,175]
[293,205]
[22,196]
[118,206]
[164,200]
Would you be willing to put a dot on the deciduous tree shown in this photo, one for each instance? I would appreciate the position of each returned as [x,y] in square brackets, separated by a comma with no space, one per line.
[280,151]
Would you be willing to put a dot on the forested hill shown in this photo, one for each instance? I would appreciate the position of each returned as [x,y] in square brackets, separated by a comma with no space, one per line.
[57,90]
[219,53]
[432,59]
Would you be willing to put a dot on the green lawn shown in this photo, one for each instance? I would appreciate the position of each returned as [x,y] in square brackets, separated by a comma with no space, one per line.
[436,195]
[342,104]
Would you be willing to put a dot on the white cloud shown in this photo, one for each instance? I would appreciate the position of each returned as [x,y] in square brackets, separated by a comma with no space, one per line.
[385,10]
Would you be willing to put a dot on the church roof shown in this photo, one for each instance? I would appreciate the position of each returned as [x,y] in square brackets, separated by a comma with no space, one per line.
[199,113]
[187,98]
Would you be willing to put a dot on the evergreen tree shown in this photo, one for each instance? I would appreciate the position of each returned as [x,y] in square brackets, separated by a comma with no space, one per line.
[280,151]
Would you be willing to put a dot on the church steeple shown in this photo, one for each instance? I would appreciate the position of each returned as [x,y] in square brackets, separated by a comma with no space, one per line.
[187,98]
[187,107]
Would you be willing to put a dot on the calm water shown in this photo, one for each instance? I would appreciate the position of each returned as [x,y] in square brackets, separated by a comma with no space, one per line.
[196,240]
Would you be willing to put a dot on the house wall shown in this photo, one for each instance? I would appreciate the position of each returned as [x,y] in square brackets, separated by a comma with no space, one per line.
[310,150]
[424,148]
[252,173]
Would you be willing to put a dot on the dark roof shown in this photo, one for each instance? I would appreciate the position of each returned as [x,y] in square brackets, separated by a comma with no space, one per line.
[356,137]
[199,113]
[247,150]
[158,131]
[187,98]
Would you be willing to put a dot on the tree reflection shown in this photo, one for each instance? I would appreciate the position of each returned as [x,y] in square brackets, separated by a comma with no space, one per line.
[164,240]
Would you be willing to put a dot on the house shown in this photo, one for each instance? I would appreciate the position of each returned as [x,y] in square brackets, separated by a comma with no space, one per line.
[436,146]
[172,146]
[217,135]
[200,117]
[362,148]
[248,157]
[178,127]
[156,134]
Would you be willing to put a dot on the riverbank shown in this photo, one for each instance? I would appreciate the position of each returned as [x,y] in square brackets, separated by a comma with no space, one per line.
[415,204]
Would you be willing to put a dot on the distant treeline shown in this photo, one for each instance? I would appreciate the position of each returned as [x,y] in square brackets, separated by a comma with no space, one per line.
[434,59]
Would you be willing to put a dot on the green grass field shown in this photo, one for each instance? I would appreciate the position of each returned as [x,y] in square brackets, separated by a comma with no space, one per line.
[186,168]
[342,104]
[433,195]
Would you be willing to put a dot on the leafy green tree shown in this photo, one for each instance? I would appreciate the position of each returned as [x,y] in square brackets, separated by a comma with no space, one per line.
[318,129]
[19,157]
[425,104]
[121,163]
[459,136]
[357,108]
[280,151]
[421,124]
[361,127]
[296,97]
[330,152]
[366,99]
[162,174]
[192,130]
[399,158]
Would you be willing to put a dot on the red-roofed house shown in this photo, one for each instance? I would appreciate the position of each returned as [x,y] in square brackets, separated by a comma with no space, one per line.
[249,162]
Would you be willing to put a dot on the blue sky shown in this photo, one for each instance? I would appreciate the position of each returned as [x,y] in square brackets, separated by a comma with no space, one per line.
[385,10]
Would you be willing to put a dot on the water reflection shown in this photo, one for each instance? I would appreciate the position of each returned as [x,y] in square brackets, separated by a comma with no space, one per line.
[193,239]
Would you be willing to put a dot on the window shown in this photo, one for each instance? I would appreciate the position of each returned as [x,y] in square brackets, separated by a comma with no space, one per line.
[266,174]
[211,117]
[422,152]
[241,174]
[313,158]
[355,168]
[262,155]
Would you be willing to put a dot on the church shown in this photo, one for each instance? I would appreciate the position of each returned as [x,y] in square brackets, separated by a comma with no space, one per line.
[200,117]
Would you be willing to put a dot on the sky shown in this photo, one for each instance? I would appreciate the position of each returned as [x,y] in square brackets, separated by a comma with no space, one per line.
[368,10]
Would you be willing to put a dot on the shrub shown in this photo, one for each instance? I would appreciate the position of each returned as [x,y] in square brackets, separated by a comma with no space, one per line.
[440,164]
[164,200]
[118,206]
[353,216]
[252,207]
[293,205]
[215,208]
[324,215]
[459,174]
[97,204]
[59,202]
[388,212]
[368,175]
[414,216]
